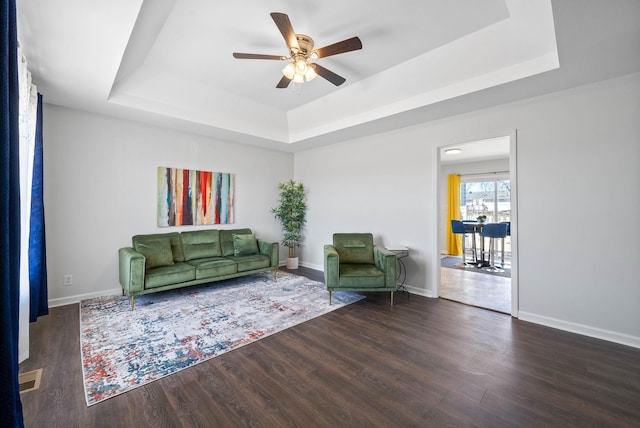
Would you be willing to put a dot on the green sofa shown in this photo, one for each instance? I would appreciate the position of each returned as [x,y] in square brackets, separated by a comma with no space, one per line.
[159,262]
[354,263]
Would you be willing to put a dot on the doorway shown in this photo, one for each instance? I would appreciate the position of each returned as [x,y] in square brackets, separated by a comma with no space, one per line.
[487,172]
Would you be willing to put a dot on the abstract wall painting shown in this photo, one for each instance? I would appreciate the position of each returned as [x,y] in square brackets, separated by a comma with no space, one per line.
[190,197]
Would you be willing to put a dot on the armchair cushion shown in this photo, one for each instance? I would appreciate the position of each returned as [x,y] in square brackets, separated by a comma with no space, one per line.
[354,247]
[361,275]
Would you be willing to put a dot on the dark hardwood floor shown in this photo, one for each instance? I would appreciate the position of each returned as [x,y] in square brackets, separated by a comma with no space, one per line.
[421,362]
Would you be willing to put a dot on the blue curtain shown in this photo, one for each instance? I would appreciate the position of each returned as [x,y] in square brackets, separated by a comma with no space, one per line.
[37,251]
[10,405]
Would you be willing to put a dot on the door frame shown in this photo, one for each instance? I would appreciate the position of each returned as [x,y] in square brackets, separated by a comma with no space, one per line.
[513,178]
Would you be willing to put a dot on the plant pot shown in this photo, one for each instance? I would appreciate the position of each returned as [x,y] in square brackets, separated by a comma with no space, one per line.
[292,263]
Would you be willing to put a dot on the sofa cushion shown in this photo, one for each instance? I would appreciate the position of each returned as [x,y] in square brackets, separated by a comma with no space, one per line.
[256,261]
[168,275]
[213,267]
[354,247]
[157,252]
[174,237]
[199,244]
[226,240]
[245,245]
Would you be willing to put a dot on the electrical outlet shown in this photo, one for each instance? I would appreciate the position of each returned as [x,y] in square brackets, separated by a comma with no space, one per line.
[67,280]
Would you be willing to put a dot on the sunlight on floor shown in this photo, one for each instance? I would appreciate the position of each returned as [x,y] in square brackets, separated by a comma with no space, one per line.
[477,289]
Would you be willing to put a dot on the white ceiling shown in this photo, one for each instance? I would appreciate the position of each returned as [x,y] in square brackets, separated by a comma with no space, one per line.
[475,151]
[169,62]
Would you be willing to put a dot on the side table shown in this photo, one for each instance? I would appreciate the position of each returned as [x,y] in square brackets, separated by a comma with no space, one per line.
[401,253]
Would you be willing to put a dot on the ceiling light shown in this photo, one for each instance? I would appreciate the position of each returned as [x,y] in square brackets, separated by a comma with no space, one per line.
[289,71]
[453,151]
[310,74]
[299,70]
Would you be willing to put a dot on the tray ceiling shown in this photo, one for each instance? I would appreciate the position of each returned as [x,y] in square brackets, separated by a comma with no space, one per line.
[170,61]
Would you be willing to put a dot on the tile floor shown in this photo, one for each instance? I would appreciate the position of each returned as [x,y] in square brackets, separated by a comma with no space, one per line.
[476,289]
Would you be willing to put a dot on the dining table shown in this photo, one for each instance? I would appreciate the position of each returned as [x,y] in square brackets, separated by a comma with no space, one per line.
[475,227]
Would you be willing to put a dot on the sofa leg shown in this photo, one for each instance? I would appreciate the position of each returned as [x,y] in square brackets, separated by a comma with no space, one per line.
[275,276]
[329,297]
[132,299]
[392,298]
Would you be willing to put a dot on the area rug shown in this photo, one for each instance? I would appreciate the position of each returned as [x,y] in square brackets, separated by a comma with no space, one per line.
[170,331]
[452,261]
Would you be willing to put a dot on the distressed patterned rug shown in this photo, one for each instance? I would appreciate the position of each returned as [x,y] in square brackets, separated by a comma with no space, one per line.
[170,331]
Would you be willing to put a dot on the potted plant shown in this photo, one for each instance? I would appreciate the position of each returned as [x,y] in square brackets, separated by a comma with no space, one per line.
[291,212]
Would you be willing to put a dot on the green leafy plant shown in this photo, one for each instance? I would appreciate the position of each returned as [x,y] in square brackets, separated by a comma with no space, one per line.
[481,218]
[291,212]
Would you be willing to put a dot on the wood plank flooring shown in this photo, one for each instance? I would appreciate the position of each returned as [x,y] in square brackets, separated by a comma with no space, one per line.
[421,362]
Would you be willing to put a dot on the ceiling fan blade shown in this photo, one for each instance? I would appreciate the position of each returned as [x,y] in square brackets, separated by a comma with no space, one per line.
[285,27]
[348,45]
[328,74]
[283,83]
[257,56]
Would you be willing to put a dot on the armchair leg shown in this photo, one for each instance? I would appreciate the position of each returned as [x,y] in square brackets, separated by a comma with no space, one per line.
[329,297]
[132,299]
[275,279]
[392,298]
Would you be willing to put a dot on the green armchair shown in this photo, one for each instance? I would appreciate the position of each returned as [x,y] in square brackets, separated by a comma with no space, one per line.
[354,263]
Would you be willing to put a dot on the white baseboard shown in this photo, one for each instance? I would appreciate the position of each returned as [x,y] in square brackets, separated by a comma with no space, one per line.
[420,291]
[585,330]
[61,301]
[611,336]
[312,266]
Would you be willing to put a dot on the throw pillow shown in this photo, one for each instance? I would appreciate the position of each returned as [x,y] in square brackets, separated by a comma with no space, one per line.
[245,245]
[157,252]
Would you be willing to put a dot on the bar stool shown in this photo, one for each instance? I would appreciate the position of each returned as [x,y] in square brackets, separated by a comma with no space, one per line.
[493,231]
[459,228]
[471,226]
[508,223]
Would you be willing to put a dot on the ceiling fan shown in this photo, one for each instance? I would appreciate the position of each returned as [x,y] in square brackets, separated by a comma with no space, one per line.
[301,52]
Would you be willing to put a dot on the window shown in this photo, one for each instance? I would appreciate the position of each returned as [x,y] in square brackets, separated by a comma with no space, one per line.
[485,196]
[490,196]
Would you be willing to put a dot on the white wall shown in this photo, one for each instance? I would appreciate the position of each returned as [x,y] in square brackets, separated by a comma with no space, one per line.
[578,152]
[101,189]
[576,272]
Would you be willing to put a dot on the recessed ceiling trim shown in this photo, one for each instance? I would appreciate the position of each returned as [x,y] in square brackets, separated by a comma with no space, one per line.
[438,75]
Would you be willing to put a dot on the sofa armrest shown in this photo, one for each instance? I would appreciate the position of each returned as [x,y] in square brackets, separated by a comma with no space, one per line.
[331,266]
[386,260]
[131,265]
[271,249]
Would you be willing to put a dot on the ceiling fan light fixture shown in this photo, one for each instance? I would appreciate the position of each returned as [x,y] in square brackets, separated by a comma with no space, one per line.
[301,51]
[299,71]
[301,66]
[310,74]
[289,71]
